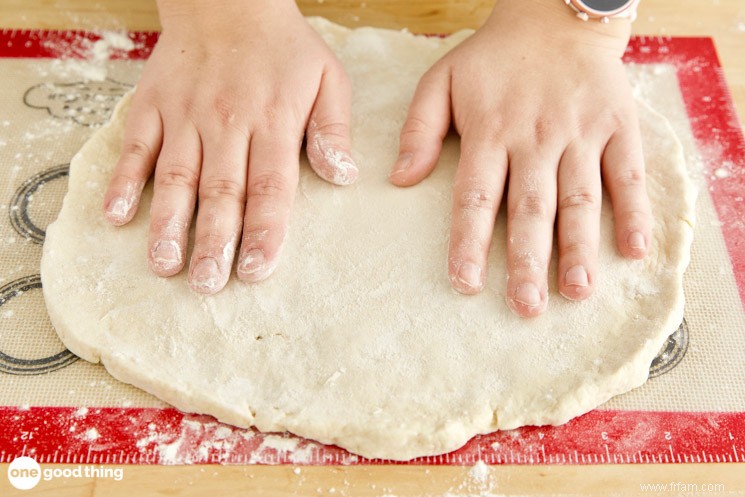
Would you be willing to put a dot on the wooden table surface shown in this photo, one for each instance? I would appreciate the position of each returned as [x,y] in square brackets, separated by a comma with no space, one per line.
[724,20]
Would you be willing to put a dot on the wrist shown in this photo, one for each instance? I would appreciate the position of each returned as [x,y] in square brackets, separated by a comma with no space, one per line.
[215,16]
[557,25]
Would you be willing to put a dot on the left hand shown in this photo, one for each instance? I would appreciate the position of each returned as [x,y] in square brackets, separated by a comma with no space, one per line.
[542,95]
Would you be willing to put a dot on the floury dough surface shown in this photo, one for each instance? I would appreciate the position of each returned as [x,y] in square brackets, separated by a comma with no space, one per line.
[358,339]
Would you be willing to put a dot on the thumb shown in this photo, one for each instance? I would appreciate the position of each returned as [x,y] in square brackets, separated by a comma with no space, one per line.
[426,125]
[328,135]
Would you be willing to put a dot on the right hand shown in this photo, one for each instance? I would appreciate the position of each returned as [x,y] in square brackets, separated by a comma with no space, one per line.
[219,116]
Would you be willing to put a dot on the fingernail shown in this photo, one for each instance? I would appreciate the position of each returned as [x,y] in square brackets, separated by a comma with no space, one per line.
[345,174]
[636,241]
[527,294]
[118,209]
[345,171]
[402,164]
[166,253]
[470,275]
[252,262]
[576,276]
[206,274]
[340,168]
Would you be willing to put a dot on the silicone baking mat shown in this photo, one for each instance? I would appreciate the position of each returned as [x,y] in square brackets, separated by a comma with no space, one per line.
[58,87]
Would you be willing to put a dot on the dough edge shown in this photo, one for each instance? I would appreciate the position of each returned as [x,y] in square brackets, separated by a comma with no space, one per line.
[405,442]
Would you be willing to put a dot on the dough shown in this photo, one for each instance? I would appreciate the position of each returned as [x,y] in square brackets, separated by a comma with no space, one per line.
[357,339]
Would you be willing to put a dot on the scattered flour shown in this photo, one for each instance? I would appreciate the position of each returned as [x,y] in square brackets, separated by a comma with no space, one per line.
[280,444]
[200,439]
[86,58]
[479,482]
[479,472]
[81,413]
[92,434]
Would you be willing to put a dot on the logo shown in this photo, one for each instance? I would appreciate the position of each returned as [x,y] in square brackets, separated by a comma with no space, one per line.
[24,473]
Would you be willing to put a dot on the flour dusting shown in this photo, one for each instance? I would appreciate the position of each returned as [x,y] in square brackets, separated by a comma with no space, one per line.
[91,434]
[200,440]
[85,58]
[478,482]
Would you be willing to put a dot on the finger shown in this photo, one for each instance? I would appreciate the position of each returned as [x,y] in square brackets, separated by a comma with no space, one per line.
[272,181]
[222,196]
[143,135]
[174,198]
[578,219]
[477,193]
[531,210]
[329,143]
[424,129]
[623,174]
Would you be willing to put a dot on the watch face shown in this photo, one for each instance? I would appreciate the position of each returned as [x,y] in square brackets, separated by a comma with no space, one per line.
[605,6]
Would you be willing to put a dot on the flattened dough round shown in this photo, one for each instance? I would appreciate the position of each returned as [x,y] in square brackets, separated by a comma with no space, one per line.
[357,339]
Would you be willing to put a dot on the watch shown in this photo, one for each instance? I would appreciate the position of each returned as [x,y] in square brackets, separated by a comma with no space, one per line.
[604,10]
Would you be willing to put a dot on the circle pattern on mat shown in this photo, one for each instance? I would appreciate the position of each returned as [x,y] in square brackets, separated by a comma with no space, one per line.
[21,366]
[672,352]
[19,206]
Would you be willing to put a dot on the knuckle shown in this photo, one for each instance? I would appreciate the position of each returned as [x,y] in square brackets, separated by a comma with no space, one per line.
[530,206]
[209,243]
[167,225]
[543,130]
[484,142]
[415,127]
[338,75]
[475,199]
[189,107]
[617,120]
[278,120]
[526,261]
[256,235]
[334,129]
[434,74]
[136,149]
[631,178]
[225,110]
[124,181]
[147,94]
[467,245]
[226,189]
[576,247]
[634,217]
[583,199]
[590,125]
[177,175]
[269,184]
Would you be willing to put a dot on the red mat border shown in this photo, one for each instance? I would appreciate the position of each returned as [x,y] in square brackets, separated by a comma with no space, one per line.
[715,126]
[597,437]
[50,43]
[169,436]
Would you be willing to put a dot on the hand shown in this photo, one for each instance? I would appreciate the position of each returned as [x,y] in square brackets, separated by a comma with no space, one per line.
[219,115]
[543,96]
